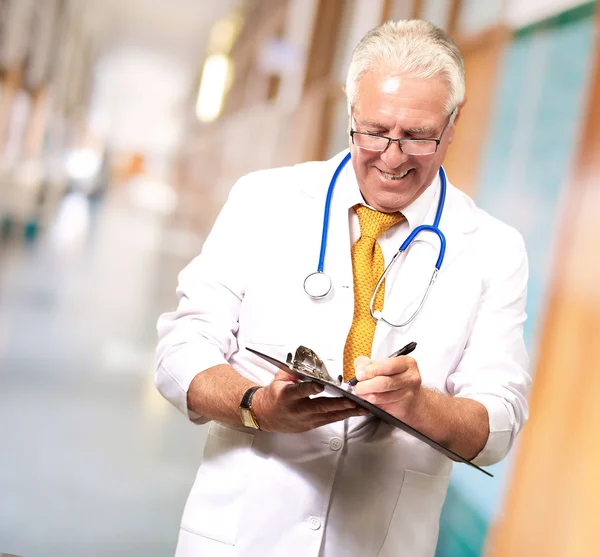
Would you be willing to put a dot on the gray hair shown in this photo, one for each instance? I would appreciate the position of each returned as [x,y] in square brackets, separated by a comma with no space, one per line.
[415,48]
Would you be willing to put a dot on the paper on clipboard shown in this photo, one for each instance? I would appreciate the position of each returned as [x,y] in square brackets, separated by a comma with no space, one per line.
[307,366]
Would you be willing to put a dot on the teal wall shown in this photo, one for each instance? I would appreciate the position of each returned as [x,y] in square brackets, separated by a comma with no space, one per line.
[537,118]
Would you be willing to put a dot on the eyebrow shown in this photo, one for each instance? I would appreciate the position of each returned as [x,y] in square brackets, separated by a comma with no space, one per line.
[424,130]
[371,124]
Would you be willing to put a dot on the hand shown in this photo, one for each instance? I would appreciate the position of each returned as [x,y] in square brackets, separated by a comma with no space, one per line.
[285,407]
[393,384]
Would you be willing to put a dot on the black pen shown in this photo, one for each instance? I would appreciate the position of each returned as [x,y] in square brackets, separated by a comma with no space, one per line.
[404,351]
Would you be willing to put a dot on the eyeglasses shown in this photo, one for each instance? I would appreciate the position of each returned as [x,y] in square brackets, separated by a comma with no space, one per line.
[418,147]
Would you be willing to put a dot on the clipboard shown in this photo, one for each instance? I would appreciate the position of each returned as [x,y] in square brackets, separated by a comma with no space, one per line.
[307,366]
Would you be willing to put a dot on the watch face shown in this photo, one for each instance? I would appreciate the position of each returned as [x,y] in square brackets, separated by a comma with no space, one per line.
[247,418]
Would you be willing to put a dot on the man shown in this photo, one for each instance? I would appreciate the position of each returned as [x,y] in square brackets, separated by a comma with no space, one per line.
[320,477]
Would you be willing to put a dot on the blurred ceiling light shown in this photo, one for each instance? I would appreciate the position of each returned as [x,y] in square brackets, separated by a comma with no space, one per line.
[224,33]
[213,86]
[83,164]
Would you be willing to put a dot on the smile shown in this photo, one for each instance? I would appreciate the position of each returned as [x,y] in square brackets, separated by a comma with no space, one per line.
[389,176]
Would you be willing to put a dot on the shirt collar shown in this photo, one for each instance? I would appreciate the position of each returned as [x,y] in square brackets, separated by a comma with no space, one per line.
[414,213]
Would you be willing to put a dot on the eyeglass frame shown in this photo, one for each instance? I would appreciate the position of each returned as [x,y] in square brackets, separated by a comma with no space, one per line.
[391,140]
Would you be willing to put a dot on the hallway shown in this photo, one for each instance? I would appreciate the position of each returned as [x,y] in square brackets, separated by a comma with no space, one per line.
[93,462]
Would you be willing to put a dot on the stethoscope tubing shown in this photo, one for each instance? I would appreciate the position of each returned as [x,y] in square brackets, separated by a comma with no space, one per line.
[405,245]
[321,266]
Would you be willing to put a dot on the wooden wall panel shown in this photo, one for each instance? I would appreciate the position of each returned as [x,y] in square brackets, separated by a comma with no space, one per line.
[417,8]
[483,56]
[12,82]
[553,505]
[322,47]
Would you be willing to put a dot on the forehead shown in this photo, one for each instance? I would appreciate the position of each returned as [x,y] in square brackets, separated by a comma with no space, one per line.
[395,99]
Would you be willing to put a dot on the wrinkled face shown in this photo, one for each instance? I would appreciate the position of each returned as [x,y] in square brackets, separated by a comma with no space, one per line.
[399,107]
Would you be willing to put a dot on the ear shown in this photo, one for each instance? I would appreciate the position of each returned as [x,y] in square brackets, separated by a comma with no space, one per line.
[452,128]
[459,109]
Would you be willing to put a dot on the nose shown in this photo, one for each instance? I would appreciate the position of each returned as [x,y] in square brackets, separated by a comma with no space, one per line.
[393,156]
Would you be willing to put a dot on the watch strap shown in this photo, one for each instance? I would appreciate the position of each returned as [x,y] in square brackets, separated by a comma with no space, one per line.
[247,398]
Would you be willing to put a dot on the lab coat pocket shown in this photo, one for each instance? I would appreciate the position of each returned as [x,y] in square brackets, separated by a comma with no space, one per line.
[414,526]
[214,505]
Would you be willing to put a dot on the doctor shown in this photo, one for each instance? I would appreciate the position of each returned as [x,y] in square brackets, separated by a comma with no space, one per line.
[289,474]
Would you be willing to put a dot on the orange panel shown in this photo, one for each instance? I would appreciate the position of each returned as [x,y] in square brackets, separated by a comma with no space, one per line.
[482,57]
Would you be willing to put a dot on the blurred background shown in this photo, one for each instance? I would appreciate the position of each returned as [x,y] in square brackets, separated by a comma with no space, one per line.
[123,125]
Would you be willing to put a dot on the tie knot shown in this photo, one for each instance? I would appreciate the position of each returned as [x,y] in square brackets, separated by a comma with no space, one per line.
[373,223]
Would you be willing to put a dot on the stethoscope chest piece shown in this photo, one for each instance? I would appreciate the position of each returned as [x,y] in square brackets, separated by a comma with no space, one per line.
[317,285]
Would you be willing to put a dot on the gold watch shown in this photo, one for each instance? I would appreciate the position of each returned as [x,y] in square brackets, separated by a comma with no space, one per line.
[246,414]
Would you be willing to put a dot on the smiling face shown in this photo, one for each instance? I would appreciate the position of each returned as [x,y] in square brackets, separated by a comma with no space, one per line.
[398,107]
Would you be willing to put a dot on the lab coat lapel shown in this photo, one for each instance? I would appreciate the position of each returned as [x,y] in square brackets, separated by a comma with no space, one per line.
[407,282]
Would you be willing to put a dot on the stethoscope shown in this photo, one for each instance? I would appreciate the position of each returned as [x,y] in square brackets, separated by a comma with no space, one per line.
[318,284]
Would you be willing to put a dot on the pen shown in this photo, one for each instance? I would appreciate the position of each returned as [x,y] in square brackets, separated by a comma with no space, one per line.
[405,350]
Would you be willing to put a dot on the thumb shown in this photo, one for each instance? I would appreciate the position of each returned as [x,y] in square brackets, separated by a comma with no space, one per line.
[360,364]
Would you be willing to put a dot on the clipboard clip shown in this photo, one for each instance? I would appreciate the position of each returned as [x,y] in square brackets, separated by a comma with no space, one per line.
[307,362]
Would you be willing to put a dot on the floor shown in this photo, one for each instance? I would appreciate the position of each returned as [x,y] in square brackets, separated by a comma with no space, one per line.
[93,462]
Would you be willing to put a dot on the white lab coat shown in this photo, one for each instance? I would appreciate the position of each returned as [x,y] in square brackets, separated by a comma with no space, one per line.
[354,488]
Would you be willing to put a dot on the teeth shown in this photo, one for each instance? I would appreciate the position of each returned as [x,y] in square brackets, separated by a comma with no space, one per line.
[395,176]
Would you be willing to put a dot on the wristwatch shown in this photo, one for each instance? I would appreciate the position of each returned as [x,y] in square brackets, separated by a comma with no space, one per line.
[246,414]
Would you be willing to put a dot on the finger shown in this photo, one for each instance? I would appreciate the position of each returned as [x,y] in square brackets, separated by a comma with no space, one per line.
[361,362]
[331,417]
[389,366]
[282,375]
[401,383]
[384,399]
[325,405]
[303,389]
[380,384]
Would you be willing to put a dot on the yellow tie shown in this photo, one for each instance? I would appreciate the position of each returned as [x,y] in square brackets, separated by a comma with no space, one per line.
[367,267]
